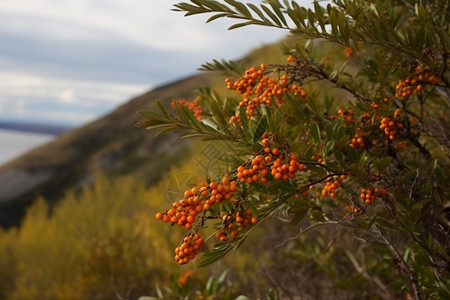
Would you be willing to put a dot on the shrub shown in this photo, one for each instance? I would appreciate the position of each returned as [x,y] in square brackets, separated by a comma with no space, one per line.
[353,149]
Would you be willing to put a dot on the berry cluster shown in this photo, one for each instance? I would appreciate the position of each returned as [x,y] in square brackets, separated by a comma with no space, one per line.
[348,52]
[285,169]
[188,249]
[257,88]
[332,185]
[414,83]
[257,171]
[357,141]
[196,200]
[232,224]
[281,164]
[347,115]
[183,212]
[192,105]
[317,157]
[219,192]
[370,195]
[390,127]
[183,279]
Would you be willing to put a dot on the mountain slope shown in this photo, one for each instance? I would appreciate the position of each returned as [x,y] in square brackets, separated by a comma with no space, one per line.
[111,143]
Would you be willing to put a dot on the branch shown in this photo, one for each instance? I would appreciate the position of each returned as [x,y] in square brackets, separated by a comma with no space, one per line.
[385,293]
[413,281]
[302,231]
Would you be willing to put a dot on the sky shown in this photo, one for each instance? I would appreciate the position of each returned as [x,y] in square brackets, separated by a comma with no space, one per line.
[68,62]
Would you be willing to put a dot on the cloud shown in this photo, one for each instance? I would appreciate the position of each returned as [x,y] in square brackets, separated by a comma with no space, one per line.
[95,54]
[72,102]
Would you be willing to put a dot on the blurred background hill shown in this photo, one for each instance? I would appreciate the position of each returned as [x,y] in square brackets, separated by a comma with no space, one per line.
[112,144]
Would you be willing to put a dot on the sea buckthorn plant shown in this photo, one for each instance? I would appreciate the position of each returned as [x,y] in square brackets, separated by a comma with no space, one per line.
[357,141]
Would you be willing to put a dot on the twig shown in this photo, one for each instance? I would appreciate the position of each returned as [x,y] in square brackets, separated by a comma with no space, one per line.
[385,293]
[302,231]
[413,282]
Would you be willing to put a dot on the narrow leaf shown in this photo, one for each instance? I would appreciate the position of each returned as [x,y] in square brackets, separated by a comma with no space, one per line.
[271,15]
[315,133]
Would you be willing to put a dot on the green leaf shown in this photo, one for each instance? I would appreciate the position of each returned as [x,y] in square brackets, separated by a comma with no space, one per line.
[271,15]
[276,8]
[222,277]
[342,142]
[258,12]
[315,133]
[244,119]
[214,255]
[217,16]
[253,208]
[352,155]
[381,164]
[163,109]
[165,130]
[339,156]
[240,7]
[318,215]
[412,164]
[150,115]
[260,129]
[299,208]
[286,186]
[317,171]
[242,297]
[329,147]
[339,130]
[319,14]
[330,132]
[238,25]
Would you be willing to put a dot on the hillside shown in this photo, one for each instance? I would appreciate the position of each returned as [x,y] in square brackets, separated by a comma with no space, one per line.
[111,143]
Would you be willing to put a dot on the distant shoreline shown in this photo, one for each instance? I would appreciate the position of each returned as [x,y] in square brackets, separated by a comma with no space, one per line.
[14,143]
[34,128]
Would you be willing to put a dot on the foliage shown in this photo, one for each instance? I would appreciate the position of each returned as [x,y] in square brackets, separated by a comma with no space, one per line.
[369,163]
[98,243]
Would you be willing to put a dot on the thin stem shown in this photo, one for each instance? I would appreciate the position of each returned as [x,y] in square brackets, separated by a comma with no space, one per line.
[413,281]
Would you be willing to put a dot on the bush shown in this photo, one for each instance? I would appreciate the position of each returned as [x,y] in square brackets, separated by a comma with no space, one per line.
[96,244]
[352,151]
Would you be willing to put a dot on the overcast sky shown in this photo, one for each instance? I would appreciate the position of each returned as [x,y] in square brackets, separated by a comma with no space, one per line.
[71,61]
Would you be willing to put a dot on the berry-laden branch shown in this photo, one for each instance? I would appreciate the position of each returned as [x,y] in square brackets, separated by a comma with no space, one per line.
[205,202]
[366,158]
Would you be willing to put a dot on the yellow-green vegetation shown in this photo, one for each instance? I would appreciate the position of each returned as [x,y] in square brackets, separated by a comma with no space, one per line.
[97,243]
[103,242]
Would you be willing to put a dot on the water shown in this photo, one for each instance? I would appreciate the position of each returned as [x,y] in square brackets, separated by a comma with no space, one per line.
[15,143]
